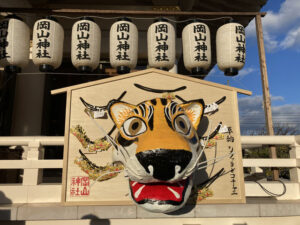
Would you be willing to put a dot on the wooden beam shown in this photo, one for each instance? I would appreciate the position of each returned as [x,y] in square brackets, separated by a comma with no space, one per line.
[128,12]
[265,87]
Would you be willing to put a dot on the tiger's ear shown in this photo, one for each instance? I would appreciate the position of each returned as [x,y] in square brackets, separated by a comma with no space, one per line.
[119,111]
[194,110]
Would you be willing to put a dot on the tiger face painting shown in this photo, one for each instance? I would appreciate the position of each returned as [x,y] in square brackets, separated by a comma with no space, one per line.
[158,144]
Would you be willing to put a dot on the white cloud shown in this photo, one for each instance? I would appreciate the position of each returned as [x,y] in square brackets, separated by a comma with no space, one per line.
[252,116]
[271,43]
[277,98]
[244,72]
[285,22]
[292,39]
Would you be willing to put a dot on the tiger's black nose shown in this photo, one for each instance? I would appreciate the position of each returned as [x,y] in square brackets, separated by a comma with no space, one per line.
[163,163]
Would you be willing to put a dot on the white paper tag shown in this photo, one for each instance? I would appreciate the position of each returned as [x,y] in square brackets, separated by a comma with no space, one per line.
[223,129]
[100,113]
[211,108]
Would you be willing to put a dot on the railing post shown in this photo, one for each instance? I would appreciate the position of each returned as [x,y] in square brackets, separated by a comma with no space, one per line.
[256,170]
[295,172]
[35,152]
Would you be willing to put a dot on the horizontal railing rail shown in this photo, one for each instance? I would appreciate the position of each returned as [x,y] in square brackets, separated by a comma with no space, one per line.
[31,190]
[270,140]
[25,140]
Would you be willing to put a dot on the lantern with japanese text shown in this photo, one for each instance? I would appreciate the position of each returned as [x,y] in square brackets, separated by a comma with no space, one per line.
[85,50]
[47,44]
[231,48]
[15,41]
[161,45]
[123,46]
[196,48]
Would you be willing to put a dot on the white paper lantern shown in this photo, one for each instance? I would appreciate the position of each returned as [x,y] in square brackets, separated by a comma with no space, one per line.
[161,45]
[14,43]
[196,48]
[85,50]
[123,45]
[47,44]
[231,48]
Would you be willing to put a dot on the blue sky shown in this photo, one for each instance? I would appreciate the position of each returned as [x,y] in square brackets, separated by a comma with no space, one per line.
[281,28]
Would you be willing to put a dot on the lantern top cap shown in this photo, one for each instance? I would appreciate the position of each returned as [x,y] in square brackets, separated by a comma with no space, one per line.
[124,19]
[231,20]
[161,19]
[13,16]
[86,18]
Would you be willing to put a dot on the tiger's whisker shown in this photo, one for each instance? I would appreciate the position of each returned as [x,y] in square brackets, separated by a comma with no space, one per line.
[112,142]
[221,158]
[216,159]
[124,157]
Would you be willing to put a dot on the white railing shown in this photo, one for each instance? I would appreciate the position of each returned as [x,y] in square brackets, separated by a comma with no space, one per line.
[31,190]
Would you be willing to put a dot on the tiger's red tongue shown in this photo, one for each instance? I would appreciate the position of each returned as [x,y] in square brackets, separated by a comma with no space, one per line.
[158,191]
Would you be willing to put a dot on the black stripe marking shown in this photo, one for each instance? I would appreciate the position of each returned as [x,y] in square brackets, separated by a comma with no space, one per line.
[124,142]
[136,111]
[180,109]
[150,112]
[150,123]
[173,107]
[167,119]
[163,101]
[153,101]
[193,140]
[142,108]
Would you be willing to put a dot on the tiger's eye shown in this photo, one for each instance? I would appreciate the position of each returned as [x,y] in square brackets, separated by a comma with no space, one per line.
[181,124]
[134,126]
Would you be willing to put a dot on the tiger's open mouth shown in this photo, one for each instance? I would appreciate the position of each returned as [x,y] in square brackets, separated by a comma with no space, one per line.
[159,193]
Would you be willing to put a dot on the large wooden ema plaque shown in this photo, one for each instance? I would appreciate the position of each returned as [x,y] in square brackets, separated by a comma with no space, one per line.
[91,178]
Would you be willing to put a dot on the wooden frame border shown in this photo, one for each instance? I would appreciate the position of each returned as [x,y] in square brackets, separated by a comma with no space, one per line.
[66,147]
[237,128]
[142,72]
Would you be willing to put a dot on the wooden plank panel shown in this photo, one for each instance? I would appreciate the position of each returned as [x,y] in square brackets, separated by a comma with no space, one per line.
[267,140]
[31,164]
[270,163]
[254,190]
[30,194]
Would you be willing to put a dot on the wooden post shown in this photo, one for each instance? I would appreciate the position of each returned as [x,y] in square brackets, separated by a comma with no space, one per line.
[265,87]
[295,154]
[35,152]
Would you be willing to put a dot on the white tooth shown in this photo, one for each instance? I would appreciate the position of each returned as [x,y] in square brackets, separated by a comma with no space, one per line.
[174,193]
[134,183]
[177,168]
[150,168]
[138,192]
